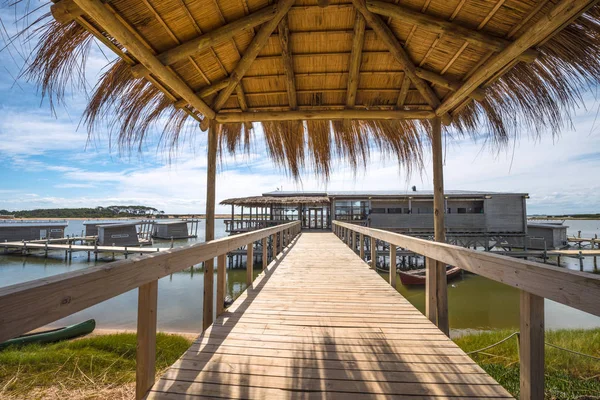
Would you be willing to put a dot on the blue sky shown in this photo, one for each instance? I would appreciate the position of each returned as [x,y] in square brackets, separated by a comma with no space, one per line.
[48,161]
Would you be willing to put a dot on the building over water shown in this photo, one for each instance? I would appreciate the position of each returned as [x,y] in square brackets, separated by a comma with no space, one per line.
[171,230]
[17,230]
[482,216]
[118,234]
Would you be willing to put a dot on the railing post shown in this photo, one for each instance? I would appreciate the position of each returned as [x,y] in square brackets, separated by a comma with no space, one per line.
[265,255]
[352,235]
[209,283]
[221,283]
[373,253]
[146,338]
[250,263]
[361,246]
[531,347]
[436,294]
[273,244]
[393,265]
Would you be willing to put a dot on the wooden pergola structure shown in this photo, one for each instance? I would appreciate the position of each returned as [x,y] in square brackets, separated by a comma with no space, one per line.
[390,69]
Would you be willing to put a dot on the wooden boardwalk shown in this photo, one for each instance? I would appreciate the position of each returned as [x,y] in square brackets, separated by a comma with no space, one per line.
[320,324]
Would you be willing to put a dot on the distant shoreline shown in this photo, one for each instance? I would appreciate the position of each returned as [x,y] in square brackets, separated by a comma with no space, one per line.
[201,216]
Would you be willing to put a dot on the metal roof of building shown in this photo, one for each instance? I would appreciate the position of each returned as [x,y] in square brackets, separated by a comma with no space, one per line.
[385,193]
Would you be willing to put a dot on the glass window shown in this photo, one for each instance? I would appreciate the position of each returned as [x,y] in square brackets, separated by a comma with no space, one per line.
[395,210]
[378,211]
[461,210]
[351,210]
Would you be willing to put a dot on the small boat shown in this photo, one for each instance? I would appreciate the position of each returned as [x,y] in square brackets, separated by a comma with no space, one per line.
[417,277]
[53,335]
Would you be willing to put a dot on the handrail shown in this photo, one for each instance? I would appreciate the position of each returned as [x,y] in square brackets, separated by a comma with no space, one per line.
[536,281]
[572,288]
[29,305]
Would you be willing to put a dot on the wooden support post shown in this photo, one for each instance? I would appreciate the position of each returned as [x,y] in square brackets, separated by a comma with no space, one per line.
[393,265]
[146,338]
[437,286]
[250,264]
[221,283]
[531,347]
[273,244]
[211,173]
[361,246]
[373,253]
[351,240]
[265,254]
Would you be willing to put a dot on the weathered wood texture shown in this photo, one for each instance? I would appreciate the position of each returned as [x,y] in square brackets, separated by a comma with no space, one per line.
[146,338]
[531,347]
[326,114]
[296,334]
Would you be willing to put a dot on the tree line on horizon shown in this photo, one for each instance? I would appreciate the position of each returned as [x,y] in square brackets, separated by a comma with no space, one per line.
[98,212]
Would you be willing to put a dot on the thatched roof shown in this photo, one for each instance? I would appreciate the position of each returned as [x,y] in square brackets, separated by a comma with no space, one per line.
[266,201]
[326,81]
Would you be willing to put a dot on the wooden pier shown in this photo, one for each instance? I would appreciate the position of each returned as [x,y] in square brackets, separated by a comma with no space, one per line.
[70,248]
[319,323]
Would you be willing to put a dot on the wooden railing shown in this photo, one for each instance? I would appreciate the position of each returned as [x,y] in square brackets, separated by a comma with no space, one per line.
[33,304]
[237,225]
[536,281]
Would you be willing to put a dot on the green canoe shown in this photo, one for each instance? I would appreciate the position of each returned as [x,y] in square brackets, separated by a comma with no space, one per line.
[53,335]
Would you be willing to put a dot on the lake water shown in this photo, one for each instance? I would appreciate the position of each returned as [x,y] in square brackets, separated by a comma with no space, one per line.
[474,302]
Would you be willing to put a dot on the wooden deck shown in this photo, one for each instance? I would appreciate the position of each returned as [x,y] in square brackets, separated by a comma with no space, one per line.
[320,324]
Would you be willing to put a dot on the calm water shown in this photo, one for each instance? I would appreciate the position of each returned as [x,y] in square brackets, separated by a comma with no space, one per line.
[474,302]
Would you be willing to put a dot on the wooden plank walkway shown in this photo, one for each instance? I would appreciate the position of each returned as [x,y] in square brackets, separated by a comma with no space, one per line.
[321,324]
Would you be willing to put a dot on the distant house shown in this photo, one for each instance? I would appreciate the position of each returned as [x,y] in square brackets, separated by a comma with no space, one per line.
[171,230]
[118,235]
[18,230]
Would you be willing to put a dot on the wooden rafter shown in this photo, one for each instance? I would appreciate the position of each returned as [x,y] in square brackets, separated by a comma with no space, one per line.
[288,65]
[97,11]
[562,12]
[390,40]
[322,115]
[259,41]
[205,91]
[441,26]
[217,36]
[358,42]
[403,92]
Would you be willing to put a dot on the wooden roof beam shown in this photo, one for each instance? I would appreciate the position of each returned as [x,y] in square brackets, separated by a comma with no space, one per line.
[439,25]
[219,35]
[229,117]
[105,18]
[477,94]
[562,12]
[390,40]
[288,65]
[355,59]
[257,44]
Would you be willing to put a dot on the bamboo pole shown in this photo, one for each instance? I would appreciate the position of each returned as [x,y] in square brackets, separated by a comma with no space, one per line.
[288,64]
[226,117]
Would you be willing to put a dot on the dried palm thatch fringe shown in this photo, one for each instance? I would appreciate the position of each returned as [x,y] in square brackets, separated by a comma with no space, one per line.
[60,58]
[540,96]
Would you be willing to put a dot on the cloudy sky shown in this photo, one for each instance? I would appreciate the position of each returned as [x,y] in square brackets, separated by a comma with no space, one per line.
[48,160]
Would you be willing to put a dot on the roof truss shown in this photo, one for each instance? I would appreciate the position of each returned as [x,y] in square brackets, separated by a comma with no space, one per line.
[502,55]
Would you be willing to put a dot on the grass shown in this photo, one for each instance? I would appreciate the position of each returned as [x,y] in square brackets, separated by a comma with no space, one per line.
[94,363]
[568,376]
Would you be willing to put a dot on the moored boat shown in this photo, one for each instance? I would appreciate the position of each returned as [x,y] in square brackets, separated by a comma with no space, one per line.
[53,335]
[417,277]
